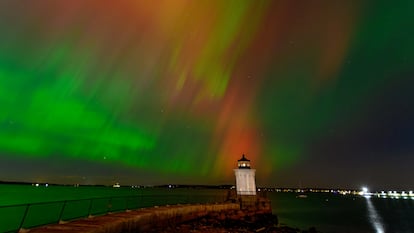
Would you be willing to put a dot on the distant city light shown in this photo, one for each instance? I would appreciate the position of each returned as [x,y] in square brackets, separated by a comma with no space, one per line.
[363,192]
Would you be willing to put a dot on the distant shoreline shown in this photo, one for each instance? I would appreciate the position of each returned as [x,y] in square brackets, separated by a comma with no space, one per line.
[124,186]
[202,186]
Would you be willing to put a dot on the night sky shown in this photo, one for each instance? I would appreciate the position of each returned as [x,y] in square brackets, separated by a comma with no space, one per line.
[315,93]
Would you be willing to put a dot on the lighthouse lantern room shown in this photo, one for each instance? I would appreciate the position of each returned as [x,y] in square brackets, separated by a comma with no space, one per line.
[245,177]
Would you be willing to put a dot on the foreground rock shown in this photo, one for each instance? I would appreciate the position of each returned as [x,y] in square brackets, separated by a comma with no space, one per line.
[231,221]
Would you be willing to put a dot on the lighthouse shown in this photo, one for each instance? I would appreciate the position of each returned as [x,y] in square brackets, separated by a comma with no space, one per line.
[245,177]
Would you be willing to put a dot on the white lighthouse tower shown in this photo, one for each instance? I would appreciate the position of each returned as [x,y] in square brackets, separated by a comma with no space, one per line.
[245,177]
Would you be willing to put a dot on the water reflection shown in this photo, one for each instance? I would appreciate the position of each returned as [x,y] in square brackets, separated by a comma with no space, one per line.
[373,216]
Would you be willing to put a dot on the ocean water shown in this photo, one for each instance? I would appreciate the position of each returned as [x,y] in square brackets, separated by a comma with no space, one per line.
[335,213]
[22,194]
[329,213]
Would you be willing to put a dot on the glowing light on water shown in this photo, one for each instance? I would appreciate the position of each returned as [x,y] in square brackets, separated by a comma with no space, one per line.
[373,216]
[365,192]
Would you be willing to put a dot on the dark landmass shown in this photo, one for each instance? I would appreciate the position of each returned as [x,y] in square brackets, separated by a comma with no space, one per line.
[225,186]
[191,186]
[235,221]
[49,184]
[14,182]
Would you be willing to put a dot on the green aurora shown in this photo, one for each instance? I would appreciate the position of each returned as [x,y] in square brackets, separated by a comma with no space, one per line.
[103,92]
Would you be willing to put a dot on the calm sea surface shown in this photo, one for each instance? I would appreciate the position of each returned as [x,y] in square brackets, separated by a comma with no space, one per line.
[329,213]
[339,214]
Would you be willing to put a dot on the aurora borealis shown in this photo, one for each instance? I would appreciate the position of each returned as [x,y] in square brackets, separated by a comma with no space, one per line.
[142,92]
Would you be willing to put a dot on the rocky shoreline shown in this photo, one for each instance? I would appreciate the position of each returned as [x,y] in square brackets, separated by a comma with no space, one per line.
[233,221]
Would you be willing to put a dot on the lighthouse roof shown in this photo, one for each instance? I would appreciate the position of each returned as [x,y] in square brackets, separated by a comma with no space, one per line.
[244,159]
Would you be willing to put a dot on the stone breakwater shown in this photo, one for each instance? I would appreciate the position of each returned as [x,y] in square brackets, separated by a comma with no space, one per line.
[244,214]
[142,220]
[234,221]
